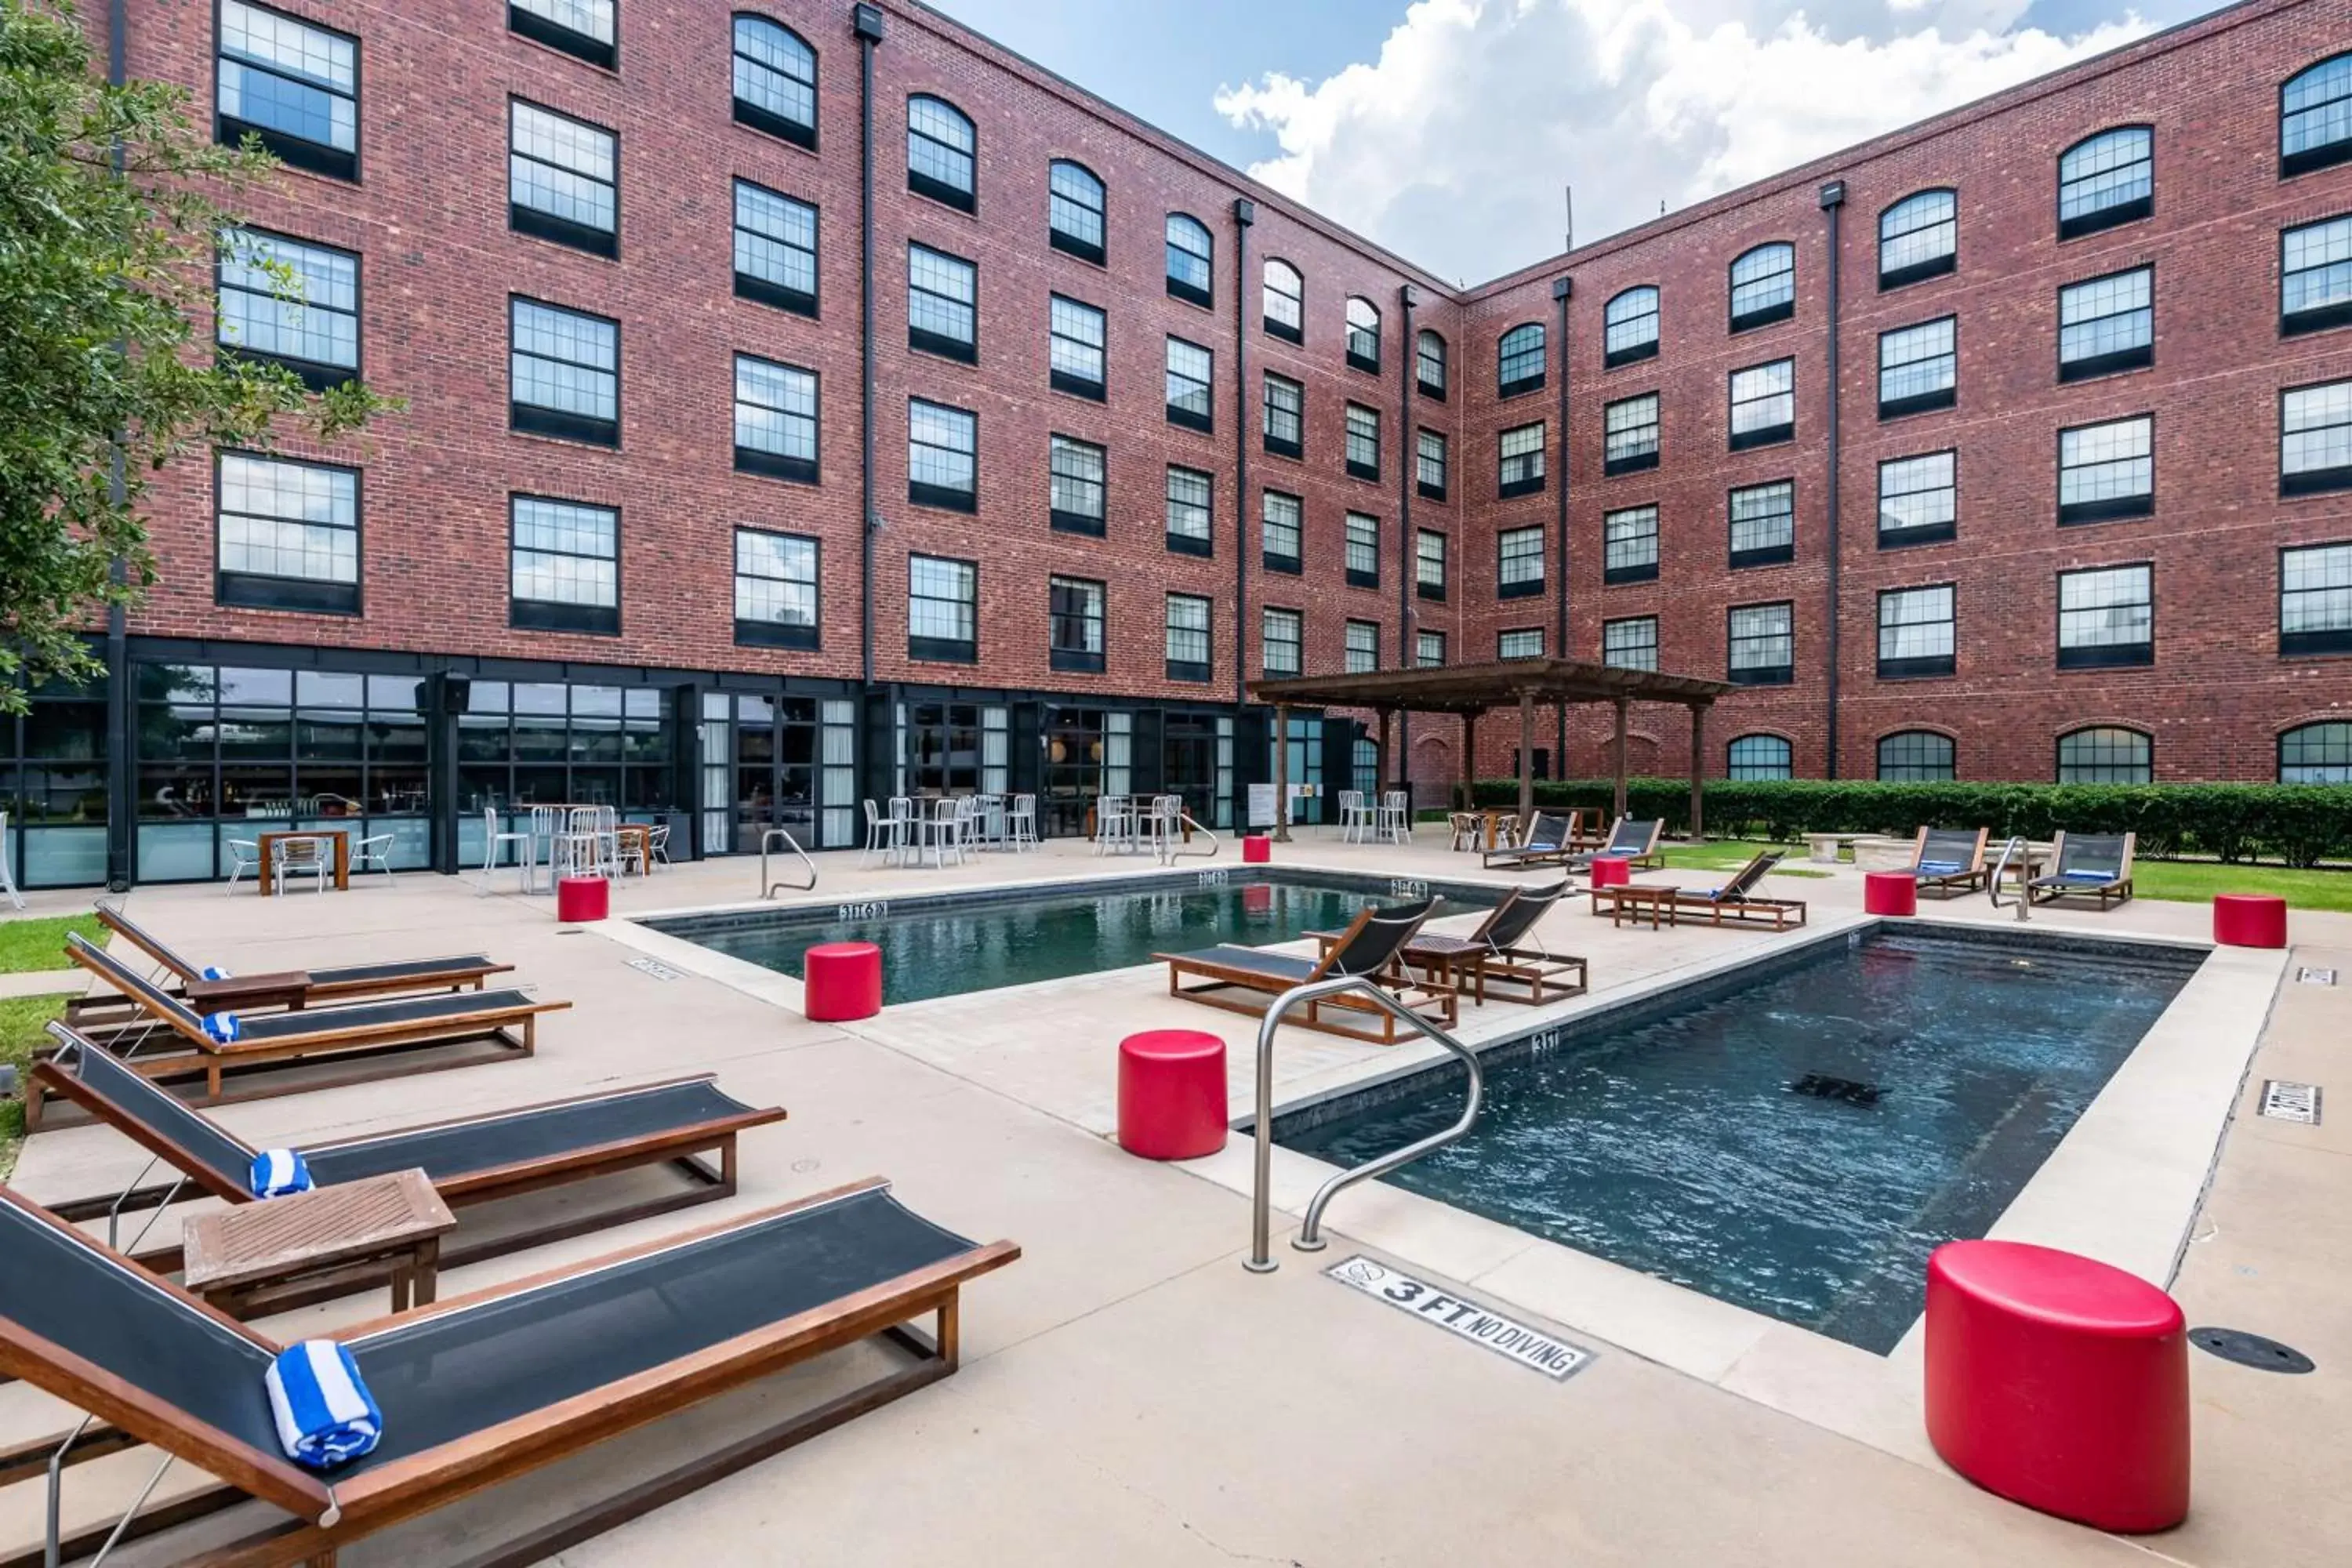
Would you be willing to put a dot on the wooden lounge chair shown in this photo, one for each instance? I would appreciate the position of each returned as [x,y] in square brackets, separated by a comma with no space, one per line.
[471,1161]
[2086,866]
[484,1388]
[360,1041]
[1549,840]
[1495,953]
[1950,860]
[1632,840]
[1368,947]
[1732,904]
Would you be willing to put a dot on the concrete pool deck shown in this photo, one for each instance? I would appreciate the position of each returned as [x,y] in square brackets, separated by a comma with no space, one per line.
[1129,1392]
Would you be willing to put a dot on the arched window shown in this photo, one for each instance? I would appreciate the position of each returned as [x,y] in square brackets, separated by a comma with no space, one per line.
[941,143]
[2106,755]
[775,80]
[1363,335]
[1429,364]
[1918,236]
[1630,327]
[1190,257]
[2316,116]
[1286,301]
[1764,286]
[1916,756]
[1519,360]
[1073,210]
[1761,757]
[2106,180]
[2316,754]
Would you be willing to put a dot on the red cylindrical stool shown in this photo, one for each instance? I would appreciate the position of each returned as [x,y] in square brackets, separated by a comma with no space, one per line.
[841,981]
[1611,870]
[1889,893]
[1257,850]
[582,899]
[1171,1094]
[2060,1383]
[2249,919]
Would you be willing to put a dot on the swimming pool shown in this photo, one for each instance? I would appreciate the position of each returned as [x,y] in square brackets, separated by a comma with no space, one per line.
[948,944]
[1795,1138]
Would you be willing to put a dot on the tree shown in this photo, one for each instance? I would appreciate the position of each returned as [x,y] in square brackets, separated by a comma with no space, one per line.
[111,208]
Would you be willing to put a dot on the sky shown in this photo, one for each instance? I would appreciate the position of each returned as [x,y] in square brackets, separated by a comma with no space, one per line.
[1447,130]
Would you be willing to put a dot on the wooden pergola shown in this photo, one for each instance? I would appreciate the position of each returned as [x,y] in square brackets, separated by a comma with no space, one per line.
[1471,689]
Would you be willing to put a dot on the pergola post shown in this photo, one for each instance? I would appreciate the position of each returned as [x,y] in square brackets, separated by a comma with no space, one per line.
[1619,756]
[1282,773]
[1469,761]
[1526,757]
[1381,774]
[1698,771]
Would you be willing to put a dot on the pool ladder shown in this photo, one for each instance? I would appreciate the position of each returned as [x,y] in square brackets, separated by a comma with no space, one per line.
[1310,1229]
[1172,840]
[769,886]
[2024,900]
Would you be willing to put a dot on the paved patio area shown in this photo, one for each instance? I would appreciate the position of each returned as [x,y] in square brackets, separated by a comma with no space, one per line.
[1130,1394]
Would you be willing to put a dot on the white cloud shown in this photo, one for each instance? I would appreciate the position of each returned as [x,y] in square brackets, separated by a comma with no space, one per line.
[1454,145]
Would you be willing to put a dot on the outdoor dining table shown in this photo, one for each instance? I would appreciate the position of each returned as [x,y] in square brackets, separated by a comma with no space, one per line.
[342,852]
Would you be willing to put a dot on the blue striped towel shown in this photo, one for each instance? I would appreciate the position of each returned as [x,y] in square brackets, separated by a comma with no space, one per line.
[2087,876]
[1937,868]
[211,972]
[224,1027]
[324,1413]
[279,1174]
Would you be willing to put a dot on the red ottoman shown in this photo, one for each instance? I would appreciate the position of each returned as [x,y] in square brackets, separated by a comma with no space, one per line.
[2060,1383]
[581,898]
[2249,919]
[841,981]
[1889,893]
[1257,850]
[1611,870]
[1171,1094]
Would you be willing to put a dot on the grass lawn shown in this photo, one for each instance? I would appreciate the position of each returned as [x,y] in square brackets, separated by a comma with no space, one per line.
[2180,881]
[21,1018]
[40,944]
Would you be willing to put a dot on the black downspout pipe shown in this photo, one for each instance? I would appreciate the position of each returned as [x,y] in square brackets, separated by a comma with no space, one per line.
[865,22]
[1244,214]
[1561,288]
[1833,197]
[1408,643]
[122,802]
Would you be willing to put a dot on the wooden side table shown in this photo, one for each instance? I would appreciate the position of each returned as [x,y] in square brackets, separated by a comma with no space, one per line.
[257,992]
[1447,962]
[260,1258]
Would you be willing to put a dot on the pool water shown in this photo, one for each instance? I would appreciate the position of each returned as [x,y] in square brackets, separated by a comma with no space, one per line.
[947,950]
[1798,1143]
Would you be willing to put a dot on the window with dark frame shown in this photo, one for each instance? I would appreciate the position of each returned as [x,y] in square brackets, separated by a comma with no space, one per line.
[1762,644]
[1192,258]
[311,328]
[2108,470]
[1919,368]
[942,610]
[1280,520]
[1429,464]
[1286,301]
[1631,642]
[942,304]
[1429,564]
[1519,643]
[2107,617]
[1519,563]
[1629,326]
[562,179]
[1077,485]
[1360,651]
[775,81]
[1190,511]
[2105,754]
[1916,635]
[776,249]
[585,29]
[1759,757]
[1363,335]
[2316,439]
[2106,180]
[2316,275]
[1763,523]
[2316,116]
[1629,545]
[1429,364]
[1429,651]
[286,535]
[2107,324]
[1363,555]
[1191,368]
[1764,286]
[1763,405]
[940,144]
[1363,442]
[1519,360]
[2316,754]
[564,368]
[775,420]
[1630,435]
[1073,210]
[293,85]
[1188,637]
[1074,349]
[1916,756]
[1918,238]
[1918,499]
[1075,624]
[2316,599]
[942,455]
[566,567]
[775,589]
[1285,412]
[1519,461]
[1279,635]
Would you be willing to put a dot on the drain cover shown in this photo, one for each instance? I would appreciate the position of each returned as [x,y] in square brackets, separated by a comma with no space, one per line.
[2310,977]
[2285,1101]
[2250,1350]
[1821,1086]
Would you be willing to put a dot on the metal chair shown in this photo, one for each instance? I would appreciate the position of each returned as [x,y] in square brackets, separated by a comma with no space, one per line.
[943,831]
[288,856]
[494,839]
[882,837]
[243,856]
[1354,816]
[657,847]
[1394,823]
[8,866]
[1114,824]
[1021,822]
[373,854]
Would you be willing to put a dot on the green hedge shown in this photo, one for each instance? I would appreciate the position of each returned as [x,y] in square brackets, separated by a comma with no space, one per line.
[2298,823]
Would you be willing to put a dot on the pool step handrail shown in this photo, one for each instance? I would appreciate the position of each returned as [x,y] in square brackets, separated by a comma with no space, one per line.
[769,886]
[2017,844]
[1310,1230]
[1173,842]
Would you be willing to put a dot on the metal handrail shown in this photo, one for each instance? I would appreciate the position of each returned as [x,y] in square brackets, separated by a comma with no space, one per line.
[1310,1237]
[768,888]
[2016,844]
[1170,852]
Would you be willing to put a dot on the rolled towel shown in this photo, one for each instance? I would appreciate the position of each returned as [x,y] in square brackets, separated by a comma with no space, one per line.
[213,972]
[324,1413]
[224,1027]
[279,1174]
[1938,868]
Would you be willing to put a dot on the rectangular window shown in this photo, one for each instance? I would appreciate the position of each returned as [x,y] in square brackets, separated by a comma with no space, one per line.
[2107,617]
[1519,563]
[1188,637]
[2316,599]
[776,249]
[1630,644]
[1285,416]
[288,535]
[294,86]
[942,610]
[1630,435]
[1279,634]
[2108,470]
[775,420]
[310,323]
[942,304]
[1520,461]
[1076,486]
[1764,524]
[2316,439]
[1919,368]
[566,567]
[1189,370]
[775,589]
[562,179]
[1429,564]
[1763,405]
[1076,349]
[584,29]
[2315,274]
[1076,612]
[1522,642]
[1429,649]
[942,455]
[1429,464]
[1190,519]
[1763,644]
[1629,542]
[1915,632]
[1918,499]
[1429,365]
[1363,441]
[1279,518]
[1364,551]
[1763,287]
[2107,324]
[1362,653]
[566,367]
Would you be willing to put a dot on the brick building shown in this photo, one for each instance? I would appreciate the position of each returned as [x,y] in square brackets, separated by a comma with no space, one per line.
[656,280]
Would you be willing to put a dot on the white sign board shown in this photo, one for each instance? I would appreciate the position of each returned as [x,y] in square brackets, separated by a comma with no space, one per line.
[1555,1358]
[1261,805]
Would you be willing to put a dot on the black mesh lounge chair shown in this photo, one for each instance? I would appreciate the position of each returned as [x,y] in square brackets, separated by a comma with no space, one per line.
[2086,866]
[1950,860]
[1628,841]
[364,1040]
[471,1161]
[1501,952]
[486,1387]
[1733,904]
[1549,839]
[1369,946]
